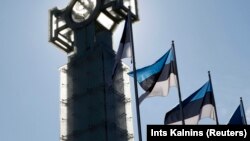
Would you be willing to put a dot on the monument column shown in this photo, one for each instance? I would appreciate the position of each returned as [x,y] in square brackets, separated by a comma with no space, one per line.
[91,108]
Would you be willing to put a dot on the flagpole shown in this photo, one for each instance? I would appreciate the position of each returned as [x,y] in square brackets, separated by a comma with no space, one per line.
[105,99]
[241,102]
[135,79]
[215,108]
[178,85]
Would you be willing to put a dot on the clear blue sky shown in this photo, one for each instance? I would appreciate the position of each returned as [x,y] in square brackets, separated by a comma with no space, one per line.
[209,35]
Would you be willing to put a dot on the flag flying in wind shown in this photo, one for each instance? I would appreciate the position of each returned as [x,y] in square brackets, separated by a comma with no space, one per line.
[125,47]
[157,78]
[199,105]
[239,117]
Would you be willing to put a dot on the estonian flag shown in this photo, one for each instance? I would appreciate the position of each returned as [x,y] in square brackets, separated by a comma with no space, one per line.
[199,105]
[125,47]
[239,117]
[157,78]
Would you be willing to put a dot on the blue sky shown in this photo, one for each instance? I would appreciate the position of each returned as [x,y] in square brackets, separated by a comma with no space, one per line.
[209,35]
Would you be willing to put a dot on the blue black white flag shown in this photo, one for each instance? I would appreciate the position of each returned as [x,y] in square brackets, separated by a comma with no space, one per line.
[199,105]
[125,47]
[239,117]
[157,78]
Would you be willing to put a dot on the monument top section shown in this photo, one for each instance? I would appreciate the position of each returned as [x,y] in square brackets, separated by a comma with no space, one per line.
[104,14]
